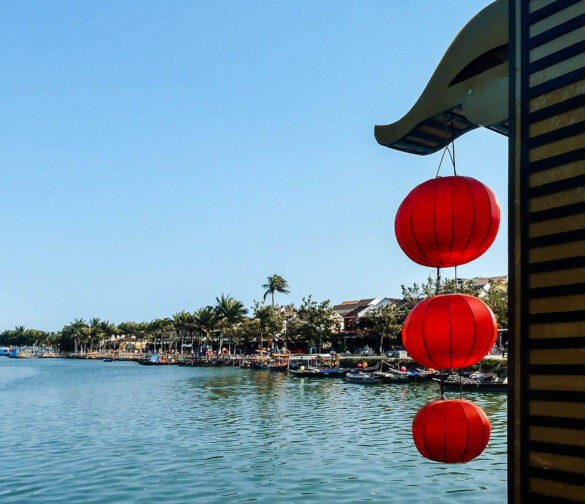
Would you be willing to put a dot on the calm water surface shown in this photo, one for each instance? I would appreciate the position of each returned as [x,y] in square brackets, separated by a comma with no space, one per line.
[89,431]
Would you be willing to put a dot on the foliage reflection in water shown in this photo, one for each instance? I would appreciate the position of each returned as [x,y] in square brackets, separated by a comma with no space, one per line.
[86,431]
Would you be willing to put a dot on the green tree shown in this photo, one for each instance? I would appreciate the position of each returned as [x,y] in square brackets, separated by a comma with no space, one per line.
[497,299]
[249,331]
[315,322]
[230,313]
[275,283]
[383,322]
[265,316]
[419,292]
[206,321]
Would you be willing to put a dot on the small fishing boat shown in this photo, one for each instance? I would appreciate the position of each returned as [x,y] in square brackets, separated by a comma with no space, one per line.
[359,377]
[312,372]
[394,376]
[108,359]
[475,381]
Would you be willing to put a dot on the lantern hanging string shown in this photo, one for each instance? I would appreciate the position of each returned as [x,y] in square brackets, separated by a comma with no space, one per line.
[452,125]
[455,279]
[442,375]
[446,150]
[449,130]
[438,283]
[460,386]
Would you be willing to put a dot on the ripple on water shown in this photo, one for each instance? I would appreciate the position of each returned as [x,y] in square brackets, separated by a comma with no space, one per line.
[85,431]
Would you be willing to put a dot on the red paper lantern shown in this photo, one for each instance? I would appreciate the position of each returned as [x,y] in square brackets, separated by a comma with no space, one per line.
[451,431]
[449,331]
[447,221]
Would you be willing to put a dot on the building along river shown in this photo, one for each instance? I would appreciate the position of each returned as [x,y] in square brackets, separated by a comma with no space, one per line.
[88,431]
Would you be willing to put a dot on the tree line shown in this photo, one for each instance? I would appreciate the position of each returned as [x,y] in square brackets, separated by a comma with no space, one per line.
[229,324]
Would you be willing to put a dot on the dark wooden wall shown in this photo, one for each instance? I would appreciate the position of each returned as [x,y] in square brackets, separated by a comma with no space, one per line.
[547,251]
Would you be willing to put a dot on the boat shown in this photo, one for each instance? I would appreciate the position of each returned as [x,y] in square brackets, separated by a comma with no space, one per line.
[312,372]
[405,376]
[108,359]
[360,377]
[475,381]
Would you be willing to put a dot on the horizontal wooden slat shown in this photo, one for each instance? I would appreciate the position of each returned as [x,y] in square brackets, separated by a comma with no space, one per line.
[558,330]
[560,147]
[557,304]
[557,462]
[557,96]
[559,199]
[554,226]
[555,122]
[561,251]
[557,213]
[557,356]
[536,5]
[556,278]
[557,382]
[557,409]
[557,70]
[571,437]
[549,50]
[555,20]
[556,489]
[546,9]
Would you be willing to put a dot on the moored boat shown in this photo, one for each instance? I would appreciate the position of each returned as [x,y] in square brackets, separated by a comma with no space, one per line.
[318,373]
[360,377]
[475,381]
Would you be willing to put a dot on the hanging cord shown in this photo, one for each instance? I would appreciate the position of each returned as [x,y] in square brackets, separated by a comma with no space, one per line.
[438,283]
[456,285]
[453,146]
[442,375]
[452,124]
[445,151]
[450,131]
[460,386]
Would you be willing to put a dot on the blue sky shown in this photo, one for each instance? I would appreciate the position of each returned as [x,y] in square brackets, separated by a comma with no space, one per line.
[156,154]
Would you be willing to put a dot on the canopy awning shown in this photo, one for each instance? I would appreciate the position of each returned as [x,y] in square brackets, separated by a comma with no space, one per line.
[468,89]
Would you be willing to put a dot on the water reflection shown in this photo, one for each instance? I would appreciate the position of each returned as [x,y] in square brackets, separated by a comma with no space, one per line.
[94,432]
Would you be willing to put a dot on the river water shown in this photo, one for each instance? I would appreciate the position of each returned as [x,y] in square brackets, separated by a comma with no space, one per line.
[89,431]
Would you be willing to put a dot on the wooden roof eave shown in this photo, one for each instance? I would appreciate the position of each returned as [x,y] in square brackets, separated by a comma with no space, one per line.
[480,100]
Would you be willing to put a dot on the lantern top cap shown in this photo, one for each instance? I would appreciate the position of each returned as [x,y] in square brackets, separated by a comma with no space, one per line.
[469,88]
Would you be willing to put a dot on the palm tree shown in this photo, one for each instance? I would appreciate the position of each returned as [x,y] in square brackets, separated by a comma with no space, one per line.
[264,314]
[181,324]
[127,330]
[94,332]
[78,332]
[205,320]
[160,328]
[275,283]
[107,331]
[230,312]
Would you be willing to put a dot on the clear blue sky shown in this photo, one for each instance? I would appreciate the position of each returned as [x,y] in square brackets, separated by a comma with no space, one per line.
[155,154]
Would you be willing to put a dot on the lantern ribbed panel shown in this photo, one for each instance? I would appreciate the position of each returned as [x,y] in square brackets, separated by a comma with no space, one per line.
[447,221]
[451,431]
[449,331]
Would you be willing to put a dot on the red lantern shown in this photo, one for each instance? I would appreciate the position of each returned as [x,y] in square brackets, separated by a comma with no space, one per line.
[451,431]
[449,331]
[447,221]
